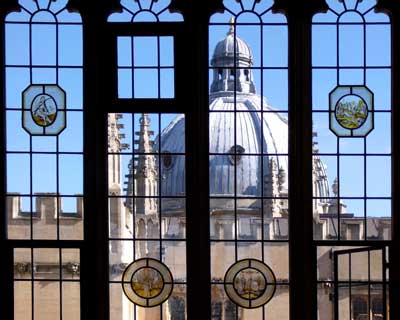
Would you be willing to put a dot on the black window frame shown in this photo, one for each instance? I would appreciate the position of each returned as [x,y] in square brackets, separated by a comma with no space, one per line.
[192,99]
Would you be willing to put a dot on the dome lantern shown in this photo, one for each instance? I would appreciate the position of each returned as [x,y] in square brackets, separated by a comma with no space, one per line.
[232,61]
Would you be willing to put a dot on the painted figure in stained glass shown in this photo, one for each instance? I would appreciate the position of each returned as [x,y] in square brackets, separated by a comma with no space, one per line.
[249,283]
[351,112]
[147,282]
[44,110]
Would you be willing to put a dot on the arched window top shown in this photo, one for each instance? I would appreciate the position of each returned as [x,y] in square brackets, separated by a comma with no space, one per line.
[246,17]
[350,16]
[346,11]
[248,12]
[44,11]
[145,11]
[43,16]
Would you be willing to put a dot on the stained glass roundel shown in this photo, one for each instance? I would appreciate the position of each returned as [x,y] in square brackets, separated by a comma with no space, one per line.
[351,111]
[147,282]
[44,109]
[250,283]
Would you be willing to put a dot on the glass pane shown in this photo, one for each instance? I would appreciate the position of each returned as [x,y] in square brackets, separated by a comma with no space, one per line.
[325,301]
[23,298]
[71,300]
[46,299]
[46,283]
[146,67]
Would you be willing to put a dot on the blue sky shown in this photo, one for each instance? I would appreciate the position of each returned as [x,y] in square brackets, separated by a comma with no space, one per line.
[270,50]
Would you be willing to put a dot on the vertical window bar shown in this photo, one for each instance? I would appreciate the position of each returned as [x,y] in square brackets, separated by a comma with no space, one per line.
[365,189]
[336,285]
[60,274]
[369,284]
[32,285]
[350,284]
[132,39]
[235,160]
[385,267]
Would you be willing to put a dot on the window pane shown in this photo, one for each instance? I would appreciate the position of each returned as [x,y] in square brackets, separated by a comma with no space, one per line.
[352,281]
[44,123]
[248,165]
[351,125]
[46,283]
[146,67]
[147,215]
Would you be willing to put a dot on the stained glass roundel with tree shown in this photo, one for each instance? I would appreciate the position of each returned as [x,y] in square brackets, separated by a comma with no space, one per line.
[351,111]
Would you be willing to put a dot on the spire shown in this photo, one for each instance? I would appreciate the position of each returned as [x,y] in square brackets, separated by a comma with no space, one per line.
[146,174]
[115,146]
[145,145]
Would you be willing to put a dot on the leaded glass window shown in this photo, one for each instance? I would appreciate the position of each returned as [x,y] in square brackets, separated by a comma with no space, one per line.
[248,147]
[352,151]
[44,157]
[223,159]
[146,169]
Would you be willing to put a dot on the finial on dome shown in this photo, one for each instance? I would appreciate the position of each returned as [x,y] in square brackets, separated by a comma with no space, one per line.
[232,26]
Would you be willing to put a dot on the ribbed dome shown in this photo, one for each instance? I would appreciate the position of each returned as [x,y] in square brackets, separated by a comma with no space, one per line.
[226,49]
[249,168]
[172,165]
[255,134]
[244,140]
[232,62]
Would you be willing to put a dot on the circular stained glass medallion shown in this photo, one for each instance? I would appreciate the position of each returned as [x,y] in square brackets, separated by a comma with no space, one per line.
[351,111]
[44,110]
[250,283]
[147,282]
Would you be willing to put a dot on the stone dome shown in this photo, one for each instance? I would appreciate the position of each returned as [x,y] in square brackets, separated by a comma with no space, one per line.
[255,134]
[231,63]
[173,166]
[251,143]
[225,50]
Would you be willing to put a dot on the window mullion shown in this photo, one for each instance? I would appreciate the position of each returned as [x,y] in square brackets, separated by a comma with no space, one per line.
[6,268]
[198,253]
[302,253]
[394,268]
[98,80]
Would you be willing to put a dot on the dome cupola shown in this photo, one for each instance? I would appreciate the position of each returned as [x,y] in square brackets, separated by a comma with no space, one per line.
[232,61]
